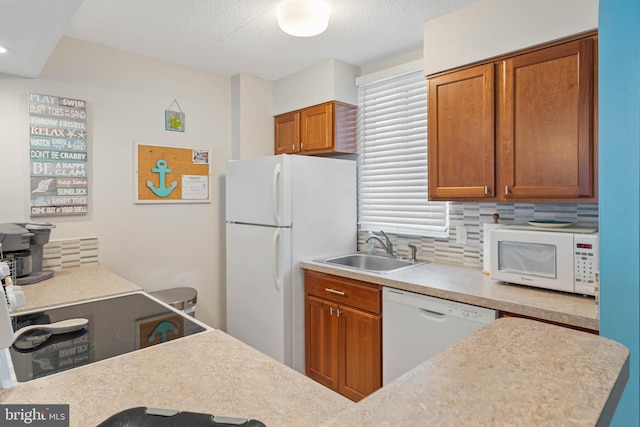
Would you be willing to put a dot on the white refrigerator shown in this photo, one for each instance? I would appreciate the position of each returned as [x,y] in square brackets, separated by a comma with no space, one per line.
[281,210]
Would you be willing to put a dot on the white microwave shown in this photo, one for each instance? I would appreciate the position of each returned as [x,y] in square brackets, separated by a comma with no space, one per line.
[553,259]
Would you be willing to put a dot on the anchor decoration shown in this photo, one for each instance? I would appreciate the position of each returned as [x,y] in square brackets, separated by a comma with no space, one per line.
[161,169]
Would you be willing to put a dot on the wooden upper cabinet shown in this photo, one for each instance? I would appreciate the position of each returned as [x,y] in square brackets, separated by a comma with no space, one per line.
[316,128]
[321,129]
[287,133]
[461,134]
[520,128]
[546,122]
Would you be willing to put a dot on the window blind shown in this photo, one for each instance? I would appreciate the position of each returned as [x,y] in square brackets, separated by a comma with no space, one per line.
[392,148]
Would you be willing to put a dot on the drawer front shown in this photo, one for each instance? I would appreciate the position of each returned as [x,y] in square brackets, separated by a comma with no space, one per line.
[351,292]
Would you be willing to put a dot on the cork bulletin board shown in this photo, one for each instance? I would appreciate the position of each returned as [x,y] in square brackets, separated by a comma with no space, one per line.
[171,174]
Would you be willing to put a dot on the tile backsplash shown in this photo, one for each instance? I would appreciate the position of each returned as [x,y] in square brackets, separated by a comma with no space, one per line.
[472,216]
[64,253]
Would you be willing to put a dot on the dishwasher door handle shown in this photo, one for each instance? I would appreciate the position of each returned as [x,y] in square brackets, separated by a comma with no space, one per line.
[432,315]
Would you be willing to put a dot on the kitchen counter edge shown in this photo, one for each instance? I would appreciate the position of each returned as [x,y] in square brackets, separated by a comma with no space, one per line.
[471,286]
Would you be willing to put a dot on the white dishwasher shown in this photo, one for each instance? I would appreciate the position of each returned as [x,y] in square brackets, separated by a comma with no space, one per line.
[416,327]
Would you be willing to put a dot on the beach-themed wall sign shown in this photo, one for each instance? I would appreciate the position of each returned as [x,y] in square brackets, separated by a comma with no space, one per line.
[171,174]
[58,155]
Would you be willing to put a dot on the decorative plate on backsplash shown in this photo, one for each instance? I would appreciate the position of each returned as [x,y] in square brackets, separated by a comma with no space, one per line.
[550,223]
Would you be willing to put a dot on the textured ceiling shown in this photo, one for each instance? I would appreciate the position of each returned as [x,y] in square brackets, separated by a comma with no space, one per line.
[230,37]
[31,29]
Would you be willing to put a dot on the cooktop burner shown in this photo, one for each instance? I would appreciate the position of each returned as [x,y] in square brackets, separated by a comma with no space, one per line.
[116,326]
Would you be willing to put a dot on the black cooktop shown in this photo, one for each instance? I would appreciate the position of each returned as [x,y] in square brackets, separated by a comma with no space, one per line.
[116,326]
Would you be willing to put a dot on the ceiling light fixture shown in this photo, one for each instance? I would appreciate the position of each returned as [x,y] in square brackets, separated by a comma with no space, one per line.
[3,49]
[303,18]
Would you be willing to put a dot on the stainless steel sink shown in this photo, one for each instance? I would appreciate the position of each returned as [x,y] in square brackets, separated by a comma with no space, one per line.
[373,263]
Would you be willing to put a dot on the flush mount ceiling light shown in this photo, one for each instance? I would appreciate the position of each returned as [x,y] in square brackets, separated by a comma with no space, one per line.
[303,18]
[3,49]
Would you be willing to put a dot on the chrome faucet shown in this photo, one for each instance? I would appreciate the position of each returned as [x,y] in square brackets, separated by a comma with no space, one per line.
[388,247]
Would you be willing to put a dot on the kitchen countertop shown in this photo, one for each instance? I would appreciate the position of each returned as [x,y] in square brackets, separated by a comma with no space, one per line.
[512,372]
[471,286]
[71,285]
[209,372]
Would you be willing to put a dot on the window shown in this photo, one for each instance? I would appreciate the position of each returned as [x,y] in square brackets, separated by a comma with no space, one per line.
[392,148]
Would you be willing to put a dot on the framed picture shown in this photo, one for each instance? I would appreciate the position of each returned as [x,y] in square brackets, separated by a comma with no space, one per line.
[174,120]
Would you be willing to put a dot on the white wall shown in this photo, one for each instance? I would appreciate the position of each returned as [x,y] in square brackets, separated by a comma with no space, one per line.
[385,64]
[331,80]
[490,28]
[252,120]
[154,246]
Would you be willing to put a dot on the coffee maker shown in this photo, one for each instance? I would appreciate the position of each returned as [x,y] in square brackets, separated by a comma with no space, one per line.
[24,244]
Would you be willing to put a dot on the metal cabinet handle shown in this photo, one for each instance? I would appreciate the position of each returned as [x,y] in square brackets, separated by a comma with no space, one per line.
[506,189]
[486,189]
[338,312]
[334,291]
[302,146]
[293,147]
[330,311]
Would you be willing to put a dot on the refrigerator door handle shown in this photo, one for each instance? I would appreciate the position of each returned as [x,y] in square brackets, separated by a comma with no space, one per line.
[277,170]
[277,261]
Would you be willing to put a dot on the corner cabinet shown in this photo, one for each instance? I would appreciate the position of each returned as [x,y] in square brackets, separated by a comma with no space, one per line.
[343,334]
[328,128]
[519,129]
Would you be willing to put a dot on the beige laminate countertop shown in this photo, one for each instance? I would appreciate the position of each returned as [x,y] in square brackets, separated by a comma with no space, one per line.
[470,286]
[209,372]
[512,372]
[77,284]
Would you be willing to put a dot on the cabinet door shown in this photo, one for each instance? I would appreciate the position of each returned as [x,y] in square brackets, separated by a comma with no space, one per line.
[316,128]
[287,133]
[461,134]
[321,336]
[360,353]
[546,123]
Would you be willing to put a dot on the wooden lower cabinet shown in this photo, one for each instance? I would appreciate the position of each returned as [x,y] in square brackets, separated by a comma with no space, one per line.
[360,345]
[343,341]
[322,341]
